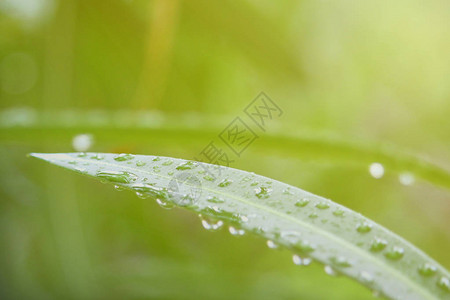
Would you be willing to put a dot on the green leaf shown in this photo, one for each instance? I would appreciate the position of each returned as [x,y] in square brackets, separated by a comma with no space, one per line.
[310,226]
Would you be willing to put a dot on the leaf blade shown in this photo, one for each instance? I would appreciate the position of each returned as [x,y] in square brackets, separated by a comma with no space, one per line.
[296,219]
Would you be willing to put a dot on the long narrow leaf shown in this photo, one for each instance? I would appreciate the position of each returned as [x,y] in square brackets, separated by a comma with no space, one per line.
[312,227]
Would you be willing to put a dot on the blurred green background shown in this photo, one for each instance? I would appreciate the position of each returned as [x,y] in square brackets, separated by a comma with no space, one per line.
[165,77]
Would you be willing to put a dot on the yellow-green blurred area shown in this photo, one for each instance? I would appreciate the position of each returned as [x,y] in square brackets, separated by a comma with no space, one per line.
[165,77]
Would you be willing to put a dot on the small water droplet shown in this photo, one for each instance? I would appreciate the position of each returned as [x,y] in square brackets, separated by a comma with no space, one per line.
[338,212]
[215,199]
[167,163]
[302,202]
[211,225]
[287,191]
[263,192]
[98,156]
[395,253]
[322,205]
[444,284]
[377,245]
[271,244]
[119,188]
[406,178]
[142,195]
[156,159]
[364,227]
[208,178]
[330,271]
[376,170]
[255,183]
[313,216]
[82,154]
[299,261]
[140,163]
[236,232]
[164,204]
[244,219]
[187,166]
[124,157]
[427,270]
[225,183]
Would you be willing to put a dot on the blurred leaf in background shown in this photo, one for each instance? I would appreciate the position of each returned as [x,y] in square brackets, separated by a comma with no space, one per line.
[165,77]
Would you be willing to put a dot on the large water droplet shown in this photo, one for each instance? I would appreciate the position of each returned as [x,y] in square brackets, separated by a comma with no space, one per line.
[395,253]
[427,270]
[124,157]
[271,244]
[117,176]
[376,170]
[236,232]
[338,212]
[225,183]
[150,190]
[377,245]
[302,202]
[364,227]
[263,192]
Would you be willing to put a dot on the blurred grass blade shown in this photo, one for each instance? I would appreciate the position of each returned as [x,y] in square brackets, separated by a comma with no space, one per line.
[310,226]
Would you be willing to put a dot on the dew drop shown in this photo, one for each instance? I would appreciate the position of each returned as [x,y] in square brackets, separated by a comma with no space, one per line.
[225,183]
[338,212]
[211,226]
[255,183]
[142,195]
[444,284]
[117,176]
[364,227]
[313,216]
[82,154]
[263,192]
[302,202]
[376,170]
[167,163]
[299,261]
[395,253]
[427,270]
[164,204]
[305,247]
[214,199]
[208,178]
[119,188]
[156,159]
[322,205]
[271,244]
[140,163]
[124,157]
[236,232]
[330,271]
[287,191]
[244,219]
[377,245]
[98,156]
[186,166]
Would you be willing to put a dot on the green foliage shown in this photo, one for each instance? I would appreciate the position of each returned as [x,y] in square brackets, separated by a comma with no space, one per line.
[309,225]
